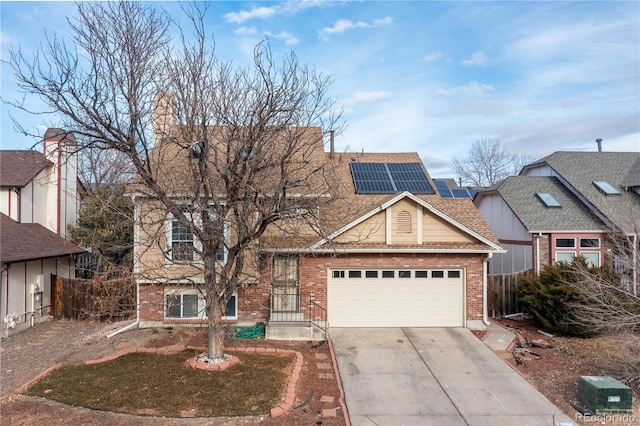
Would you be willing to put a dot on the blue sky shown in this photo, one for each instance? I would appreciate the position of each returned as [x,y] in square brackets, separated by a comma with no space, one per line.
[425,76]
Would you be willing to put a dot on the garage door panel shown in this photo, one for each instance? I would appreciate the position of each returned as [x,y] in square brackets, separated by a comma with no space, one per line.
[396,302]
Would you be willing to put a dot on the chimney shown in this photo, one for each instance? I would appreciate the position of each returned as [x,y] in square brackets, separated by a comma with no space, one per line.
[599,142]
[331,143]
[164,114]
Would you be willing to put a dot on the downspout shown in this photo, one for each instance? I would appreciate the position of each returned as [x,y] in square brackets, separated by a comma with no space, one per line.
[537,237]
[485,263]
[137,321]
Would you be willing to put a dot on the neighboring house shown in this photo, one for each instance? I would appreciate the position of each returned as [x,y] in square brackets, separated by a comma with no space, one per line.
[401,256]
[38,200]
[561,206]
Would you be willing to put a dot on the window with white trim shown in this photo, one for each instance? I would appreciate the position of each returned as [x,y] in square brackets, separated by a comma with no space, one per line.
[181,305]
[188,304]
[565,256]
[182,243]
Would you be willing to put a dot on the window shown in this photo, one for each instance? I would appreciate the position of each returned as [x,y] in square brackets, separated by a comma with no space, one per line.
[592,258]
[231,309]
[388,274]
[589,242]
[437,274]
[182,247]
[605,187]
[187,304]
[338,274]
[371,274]
[547,199]
[422,274]
[355,274]
[565,242]
[181,305]
[404,274]
[404,222]
[566,256]
[453,274]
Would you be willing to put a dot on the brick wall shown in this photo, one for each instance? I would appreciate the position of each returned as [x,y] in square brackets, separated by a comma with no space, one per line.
[254,300]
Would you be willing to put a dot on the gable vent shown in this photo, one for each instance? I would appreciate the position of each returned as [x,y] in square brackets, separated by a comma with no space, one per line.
[404,222]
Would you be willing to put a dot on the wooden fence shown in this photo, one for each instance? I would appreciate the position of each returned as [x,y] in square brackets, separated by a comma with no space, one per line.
[501,293]
[96,299]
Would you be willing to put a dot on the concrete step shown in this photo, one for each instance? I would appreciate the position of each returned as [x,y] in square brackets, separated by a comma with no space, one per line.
[293,331]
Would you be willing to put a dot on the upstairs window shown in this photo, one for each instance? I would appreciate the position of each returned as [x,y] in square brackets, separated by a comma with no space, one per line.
[182,243]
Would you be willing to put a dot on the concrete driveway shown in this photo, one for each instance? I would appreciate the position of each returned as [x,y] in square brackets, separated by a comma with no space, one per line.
[433,376]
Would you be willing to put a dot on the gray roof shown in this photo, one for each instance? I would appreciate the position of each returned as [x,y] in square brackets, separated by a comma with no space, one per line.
[581,169]
[519,192]
[18,168]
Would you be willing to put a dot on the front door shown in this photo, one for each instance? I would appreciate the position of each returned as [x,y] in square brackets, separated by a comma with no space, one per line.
[286,286]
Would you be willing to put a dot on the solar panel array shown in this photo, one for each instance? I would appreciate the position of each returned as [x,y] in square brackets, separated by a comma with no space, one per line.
[446,192]
[390,178]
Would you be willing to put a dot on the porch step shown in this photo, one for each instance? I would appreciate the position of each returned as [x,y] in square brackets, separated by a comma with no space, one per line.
[293,331]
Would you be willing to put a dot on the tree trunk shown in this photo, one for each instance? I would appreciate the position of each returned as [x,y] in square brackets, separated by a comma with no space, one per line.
[215,330]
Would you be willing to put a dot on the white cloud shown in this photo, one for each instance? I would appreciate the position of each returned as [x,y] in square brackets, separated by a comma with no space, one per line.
[433,56]
[264,12]
[477,58]
[287,37]
[342,25]
[245,15]
[367,97]
[246,31]
[473,88]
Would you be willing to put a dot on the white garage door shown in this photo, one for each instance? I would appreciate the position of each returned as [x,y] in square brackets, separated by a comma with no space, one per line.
[396,298]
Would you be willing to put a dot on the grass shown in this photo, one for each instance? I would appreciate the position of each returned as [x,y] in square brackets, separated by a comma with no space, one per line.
[162,385]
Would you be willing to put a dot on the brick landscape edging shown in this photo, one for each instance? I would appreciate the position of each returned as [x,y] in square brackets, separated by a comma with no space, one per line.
[279,410]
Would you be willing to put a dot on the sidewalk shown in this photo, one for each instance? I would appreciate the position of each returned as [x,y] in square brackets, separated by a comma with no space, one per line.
[498,338]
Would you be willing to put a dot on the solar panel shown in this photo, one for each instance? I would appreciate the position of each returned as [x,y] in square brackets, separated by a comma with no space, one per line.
[372,178]
[410,177]
[460,193]
[389,178]
[443,189]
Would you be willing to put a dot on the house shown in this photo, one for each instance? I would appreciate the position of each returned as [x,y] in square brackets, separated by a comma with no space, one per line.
[39,195]
[561,206]
[395,253]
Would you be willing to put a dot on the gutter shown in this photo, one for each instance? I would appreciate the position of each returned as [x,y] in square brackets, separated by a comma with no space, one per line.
[485,319]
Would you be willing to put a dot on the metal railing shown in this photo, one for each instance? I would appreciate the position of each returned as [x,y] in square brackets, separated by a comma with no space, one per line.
[288,305]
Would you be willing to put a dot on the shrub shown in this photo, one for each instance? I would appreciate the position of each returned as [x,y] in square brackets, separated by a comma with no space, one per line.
[551,298]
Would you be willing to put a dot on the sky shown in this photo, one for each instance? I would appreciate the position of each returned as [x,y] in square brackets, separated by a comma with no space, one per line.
[420,76]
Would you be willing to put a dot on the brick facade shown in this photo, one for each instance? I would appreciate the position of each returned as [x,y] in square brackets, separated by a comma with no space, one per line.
[254,300]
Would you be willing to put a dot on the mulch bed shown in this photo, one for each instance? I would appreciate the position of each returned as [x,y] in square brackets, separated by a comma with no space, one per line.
[316,396]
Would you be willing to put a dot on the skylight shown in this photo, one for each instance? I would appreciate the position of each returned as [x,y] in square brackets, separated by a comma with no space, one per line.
[605,187]
[547,199]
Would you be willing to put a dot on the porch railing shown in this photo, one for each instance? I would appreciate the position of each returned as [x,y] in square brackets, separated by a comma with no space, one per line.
[288,305]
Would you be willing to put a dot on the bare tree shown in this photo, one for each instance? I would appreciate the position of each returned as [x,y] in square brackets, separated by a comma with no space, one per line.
[231,152]
[488,162]
[611,301]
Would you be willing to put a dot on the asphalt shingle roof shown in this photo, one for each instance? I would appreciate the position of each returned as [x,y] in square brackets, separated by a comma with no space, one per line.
[581,169]
[30,241]
[18,168]
[519,193]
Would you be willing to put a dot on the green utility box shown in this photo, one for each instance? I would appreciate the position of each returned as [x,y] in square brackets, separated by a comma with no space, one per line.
[604,395]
